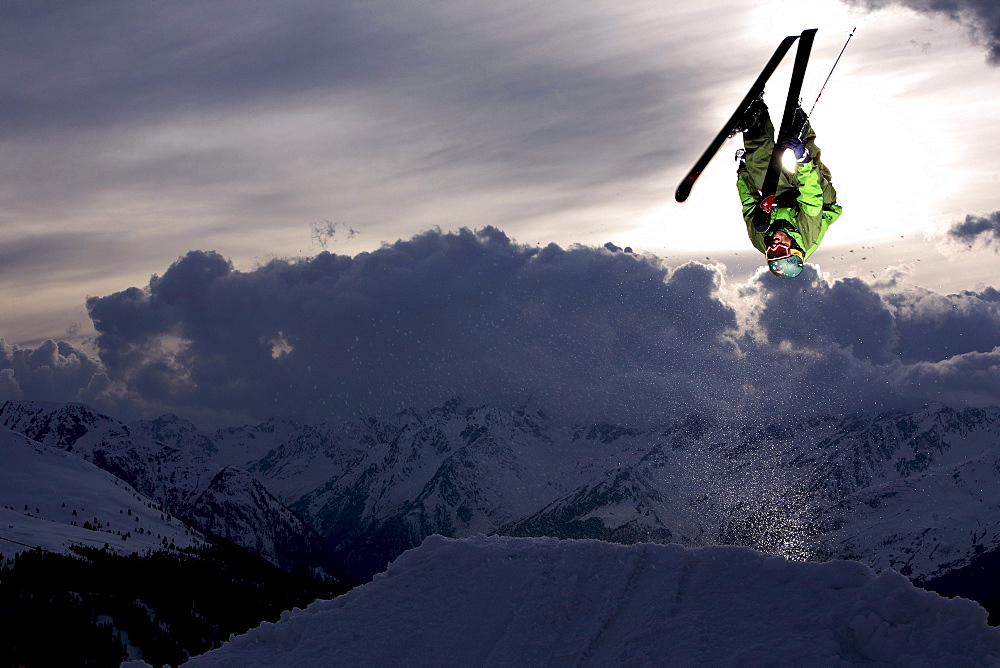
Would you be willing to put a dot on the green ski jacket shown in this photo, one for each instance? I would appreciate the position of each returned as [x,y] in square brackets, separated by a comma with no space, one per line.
[807,226]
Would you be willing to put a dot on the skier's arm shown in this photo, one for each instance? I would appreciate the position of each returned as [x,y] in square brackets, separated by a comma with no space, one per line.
[810,219]
[749,197]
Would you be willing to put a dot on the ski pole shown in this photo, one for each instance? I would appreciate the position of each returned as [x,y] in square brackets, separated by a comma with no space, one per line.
[823,87]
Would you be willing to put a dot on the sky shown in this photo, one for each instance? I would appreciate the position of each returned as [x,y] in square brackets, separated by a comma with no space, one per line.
[539,601]
[231,210]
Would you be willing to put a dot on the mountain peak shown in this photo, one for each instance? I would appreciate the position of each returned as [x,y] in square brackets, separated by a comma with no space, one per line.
[61,425]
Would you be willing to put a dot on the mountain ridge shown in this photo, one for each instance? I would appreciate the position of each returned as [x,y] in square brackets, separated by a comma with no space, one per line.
[179,475]
[860,486]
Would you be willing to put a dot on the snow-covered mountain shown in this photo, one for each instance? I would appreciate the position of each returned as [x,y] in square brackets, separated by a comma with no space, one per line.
[173,475]
[237,507]
[53,500]
[169,460]
[455,471]
[917,492]
[503,601]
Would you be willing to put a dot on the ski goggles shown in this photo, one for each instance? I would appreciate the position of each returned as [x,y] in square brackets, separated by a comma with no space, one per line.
[781,252]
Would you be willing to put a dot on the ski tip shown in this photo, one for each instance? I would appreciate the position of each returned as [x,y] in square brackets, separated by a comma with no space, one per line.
[683,190]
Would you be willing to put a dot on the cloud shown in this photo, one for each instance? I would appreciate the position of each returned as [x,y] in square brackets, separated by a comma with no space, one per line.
[876,321]
[421,81]
[323,232]
[981,17]
[969,378]
[977,231]
[933,327]
[183,55]
[415,323]
[585,333]
[241,123]
[810,311]
[843,345]
[52,371]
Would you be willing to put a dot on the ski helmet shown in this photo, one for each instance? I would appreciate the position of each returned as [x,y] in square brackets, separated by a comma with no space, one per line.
[786,267]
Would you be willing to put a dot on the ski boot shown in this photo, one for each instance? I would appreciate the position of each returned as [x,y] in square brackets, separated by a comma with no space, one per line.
[754,116]
[799,122]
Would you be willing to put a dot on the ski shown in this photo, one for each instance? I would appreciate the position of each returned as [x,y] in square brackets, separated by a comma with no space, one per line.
[762,216]
[684,189]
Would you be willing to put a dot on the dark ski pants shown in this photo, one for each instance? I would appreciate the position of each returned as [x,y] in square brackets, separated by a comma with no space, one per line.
[759,143]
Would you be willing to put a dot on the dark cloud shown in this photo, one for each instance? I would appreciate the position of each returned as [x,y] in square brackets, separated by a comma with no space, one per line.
[843,346]
[586,333]
[977,231]
[936,327]
[981,17]
[415,323]
[968,378]
[97,65]
[52,371]
[906,326]
[809,311]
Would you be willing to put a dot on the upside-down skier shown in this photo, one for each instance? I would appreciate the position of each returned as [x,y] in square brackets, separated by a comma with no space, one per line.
[805,203]
[787,209]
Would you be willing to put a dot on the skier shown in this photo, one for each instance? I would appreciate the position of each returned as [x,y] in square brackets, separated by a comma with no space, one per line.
[805,200]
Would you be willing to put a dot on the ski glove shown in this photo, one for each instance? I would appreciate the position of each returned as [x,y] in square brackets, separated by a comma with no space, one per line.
[798,148]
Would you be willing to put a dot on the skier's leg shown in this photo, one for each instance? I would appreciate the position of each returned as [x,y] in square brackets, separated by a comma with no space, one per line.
[825,176]
[809,139]
[758,140]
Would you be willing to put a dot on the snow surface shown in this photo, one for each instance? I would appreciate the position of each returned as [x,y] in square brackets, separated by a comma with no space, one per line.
[44,491]
[502,601]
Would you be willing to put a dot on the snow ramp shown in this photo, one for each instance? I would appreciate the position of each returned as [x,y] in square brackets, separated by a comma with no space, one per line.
[500,601]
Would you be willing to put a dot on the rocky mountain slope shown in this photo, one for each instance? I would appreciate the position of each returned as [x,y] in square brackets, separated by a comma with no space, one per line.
[917,492]
[179,475]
